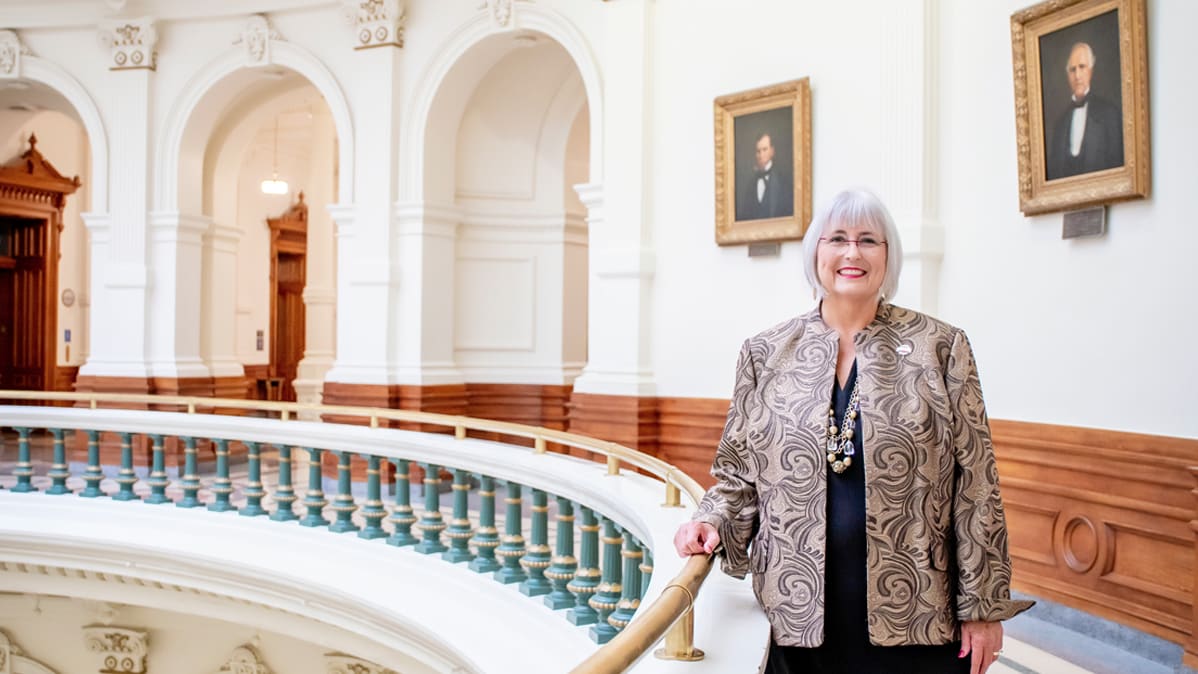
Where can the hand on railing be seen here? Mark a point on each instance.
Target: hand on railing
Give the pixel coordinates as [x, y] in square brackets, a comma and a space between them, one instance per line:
[696, 538]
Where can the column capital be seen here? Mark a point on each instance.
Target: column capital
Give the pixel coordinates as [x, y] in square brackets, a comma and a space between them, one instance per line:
[132, 43]
[376, 23]
[117, 649]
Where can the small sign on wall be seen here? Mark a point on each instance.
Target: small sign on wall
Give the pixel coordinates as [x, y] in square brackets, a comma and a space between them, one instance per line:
[261, 340]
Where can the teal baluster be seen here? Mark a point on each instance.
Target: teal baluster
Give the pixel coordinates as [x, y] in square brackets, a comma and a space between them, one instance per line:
[314, 499]
[222, 486]
[58, 472]
[372, 510]
[284, 493]
[646, 572]
[607, 597]
[343, 503]
[402, 518]
[486, 536]
[431, 524]
[126, 478]
[586, 578]
[157, 480]
[92, 475]
[511, 544]
[460, 530]
[254, 491]
[630, 594]
[191, 481]
[24, 470]
[561, 570]
[538, 553]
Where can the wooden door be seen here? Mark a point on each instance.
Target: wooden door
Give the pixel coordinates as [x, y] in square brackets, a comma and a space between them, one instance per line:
[24, 307]
[287, 332]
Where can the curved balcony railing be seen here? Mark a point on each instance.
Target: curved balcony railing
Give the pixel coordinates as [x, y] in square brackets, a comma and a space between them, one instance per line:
[597, 574]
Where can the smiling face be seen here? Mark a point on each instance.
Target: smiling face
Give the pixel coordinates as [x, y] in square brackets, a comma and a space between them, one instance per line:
[850, 271]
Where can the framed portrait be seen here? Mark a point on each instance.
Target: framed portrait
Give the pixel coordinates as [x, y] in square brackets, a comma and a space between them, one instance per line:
[763, 164]
[1081, 103]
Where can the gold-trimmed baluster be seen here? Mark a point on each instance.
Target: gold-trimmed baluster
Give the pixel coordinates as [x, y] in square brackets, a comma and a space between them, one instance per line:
[314, 499]
[158, 479]
[191, 480]
[92, 475]
[607, 597]
[222, 486]
[24, 469]
[343, 502]
[486, 537]
[285, 493]
[254, 491]
[431, 523]
[646, 572]
[59, 472]
[630, 590]
[538, 554]
[460, 530]
[402, 518]
[373, 512]
[586, 578]
[126, 478]
[511, 544]
[563, 565]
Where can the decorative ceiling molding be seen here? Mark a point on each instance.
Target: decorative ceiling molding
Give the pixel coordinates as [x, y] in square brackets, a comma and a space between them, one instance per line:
[256, 37]
[376, 23]
[339, 663]
[119, 650]
[244, 660]
[502, 12]
[11, 51]
[132, 43]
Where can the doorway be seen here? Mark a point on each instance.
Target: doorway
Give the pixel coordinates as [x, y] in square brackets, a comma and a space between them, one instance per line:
[26, 326]
[289, 260]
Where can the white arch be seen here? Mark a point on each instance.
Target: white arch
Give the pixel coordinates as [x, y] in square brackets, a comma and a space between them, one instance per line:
[531, 17]
[41, 70]
[169, 154]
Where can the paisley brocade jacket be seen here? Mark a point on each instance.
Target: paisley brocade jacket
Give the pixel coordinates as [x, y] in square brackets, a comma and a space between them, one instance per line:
[936, 538]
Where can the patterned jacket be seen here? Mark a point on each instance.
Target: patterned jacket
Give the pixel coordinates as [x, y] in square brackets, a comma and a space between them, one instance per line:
[936, 537]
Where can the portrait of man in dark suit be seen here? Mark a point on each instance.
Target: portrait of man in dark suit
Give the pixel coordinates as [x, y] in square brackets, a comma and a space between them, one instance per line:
[764, 158]
[1086, 130]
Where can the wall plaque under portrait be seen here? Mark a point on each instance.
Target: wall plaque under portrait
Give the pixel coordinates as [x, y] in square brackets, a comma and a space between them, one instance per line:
[1081, 103]
[763, 164]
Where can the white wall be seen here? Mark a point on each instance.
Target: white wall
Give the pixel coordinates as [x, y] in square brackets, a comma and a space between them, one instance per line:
[1094, 332]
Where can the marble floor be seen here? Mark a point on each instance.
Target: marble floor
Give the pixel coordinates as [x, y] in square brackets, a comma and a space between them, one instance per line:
[1032, 646]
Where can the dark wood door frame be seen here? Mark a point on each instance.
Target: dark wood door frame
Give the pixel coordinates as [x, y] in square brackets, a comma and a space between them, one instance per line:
[32, 189]
[289, 243]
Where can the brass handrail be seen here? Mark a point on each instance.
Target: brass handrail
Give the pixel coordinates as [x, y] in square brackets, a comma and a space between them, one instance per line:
[670, 614]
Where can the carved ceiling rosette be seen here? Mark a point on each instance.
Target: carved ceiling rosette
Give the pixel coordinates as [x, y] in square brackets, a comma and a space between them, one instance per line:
[132, 43]
[376, 23]
[11, 51]
[118, 650]
[255, 38]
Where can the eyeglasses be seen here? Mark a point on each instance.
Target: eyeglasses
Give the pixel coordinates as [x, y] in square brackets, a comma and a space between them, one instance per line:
[865, 243]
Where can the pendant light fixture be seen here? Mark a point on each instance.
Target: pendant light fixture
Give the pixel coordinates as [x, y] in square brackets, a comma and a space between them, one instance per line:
[274, 185]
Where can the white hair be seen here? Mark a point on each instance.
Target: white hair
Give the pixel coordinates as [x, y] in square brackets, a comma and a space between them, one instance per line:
[854, 207]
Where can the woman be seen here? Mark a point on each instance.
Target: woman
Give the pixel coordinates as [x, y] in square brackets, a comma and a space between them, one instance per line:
[856, 460]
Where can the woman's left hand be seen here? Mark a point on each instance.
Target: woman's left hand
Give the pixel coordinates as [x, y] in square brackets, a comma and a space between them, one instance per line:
[983, 642]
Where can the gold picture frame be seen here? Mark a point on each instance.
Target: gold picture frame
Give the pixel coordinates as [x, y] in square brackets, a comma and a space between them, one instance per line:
[1101, 153]
[763, 203]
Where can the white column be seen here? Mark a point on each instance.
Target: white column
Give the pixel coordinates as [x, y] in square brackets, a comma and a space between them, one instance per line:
[118, 324]
[621, 252]
[910, 179]
[176, 252]
[218, 315]
[366, 256]
[423, 307]
[320, 296]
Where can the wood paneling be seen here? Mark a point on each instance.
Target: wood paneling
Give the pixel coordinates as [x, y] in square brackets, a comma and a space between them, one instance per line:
[689, 431]
[1100, 520]
[288, 265]
[628, 420]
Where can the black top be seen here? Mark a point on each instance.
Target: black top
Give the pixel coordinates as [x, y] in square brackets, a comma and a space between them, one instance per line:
[846, 648]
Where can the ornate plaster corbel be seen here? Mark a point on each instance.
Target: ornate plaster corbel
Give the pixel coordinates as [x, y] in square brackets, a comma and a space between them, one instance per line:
[11, 51]
[376, 23]
[339, 663]
[256, 37]
[118, 650]
[502, 12]
[244, 660]
[132, 43]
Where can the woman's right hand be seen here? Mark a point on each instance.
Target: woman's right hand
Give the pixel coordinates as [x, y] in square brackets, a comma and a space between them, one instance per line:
[696, 538]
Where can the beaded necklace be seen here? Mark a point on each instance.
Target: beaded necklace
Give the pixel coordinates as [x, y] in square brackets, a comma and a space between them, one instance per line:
[840, 440]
